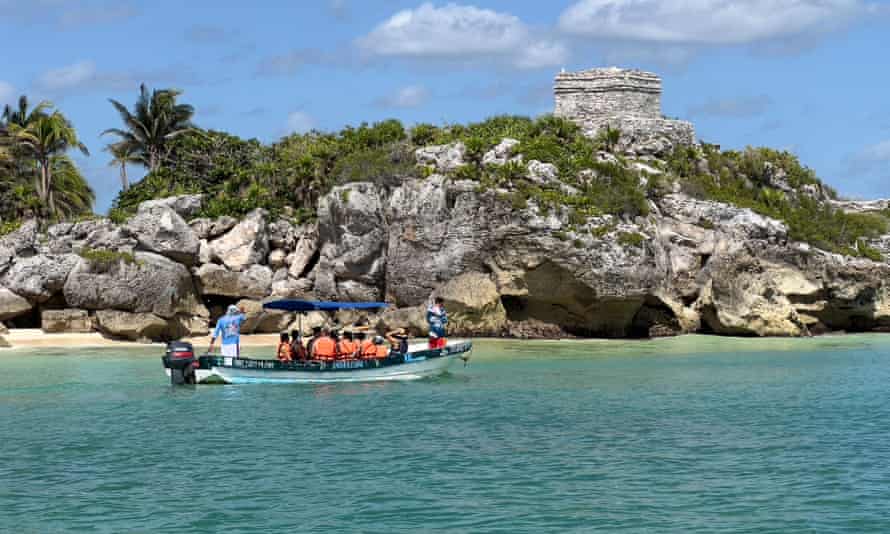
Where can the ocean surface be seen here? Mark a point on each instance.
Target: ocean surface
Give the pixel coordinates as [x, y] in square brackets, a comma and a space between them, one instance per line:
[694, 434]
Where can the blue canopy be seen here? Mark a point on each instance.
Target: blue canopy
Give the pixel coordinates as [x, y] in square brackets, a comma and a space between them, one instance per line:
[307, 305]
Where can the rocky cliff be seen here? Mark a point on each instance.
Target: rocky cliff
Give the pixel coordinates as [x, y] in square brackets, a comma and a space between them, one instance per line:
[504, 268]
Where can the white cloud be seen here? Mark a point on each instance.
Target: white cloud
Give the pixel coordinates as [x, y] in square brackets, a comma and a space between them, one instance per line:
[300, 122]
[68, 77]
[707, 21]
[460, 32]
[85, 76]
[542, 54]
[411, 96]
[7, 93]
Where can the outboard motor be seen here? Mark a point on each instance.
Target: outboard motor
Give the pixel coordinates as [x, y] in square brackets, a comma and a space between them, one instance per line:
[180, 359]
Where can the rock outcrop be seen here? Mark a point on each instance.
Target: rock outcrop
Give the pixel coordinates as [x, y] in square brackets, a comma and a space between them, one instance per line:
[148, 284]
[527, 269]
[12, 305]
[215, 280]
[131, 326]
[66, 321]
[244, 245]
[474, 305]
[162, 230]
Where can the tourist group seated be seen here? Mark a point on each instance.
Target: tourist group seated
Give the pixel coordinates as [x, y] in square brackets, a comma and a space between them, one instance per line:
[329, 344]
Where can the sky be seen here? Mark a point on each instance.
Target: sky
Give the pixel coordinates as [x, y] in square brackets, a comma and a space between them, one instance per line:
[808, 76]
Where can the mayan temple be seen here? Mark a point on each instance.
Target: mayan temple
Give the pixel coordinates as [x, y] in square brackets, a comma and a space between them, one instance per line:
[626, 99]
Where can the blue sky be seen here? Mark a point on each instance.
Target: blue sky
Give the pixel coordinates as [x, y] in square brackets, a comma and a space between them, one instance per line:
[810, 76]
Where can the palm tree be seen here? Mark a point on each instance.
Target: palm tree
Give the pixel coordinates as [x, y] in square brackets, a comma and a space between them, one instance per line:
[71, 192]
[156, 118]
[47, 136]
[21, 116]
[123, 153]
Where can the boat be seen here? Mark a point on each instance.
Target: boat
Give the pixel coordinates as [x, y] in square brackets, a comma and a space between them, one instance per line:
[184, 367]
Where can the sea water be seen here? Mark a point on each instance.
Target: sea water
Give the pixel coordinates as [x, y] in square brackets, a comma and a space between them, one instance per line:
[693, 434]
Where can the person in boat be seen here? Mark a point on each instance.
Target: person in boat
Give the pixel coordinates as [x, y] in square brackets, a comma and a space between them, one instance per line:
[228, 331]
[398, 341]
[298, 350]
[347, 347]
[285, 352]
[324, 348]
[316, 333]
[381, 349]
[437, 318]
[366, 348]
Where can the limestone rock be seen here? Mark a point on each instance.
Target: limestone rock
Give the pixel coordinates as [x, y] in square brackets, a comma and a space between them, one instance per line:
[277, 259]
[3, 343]
[183, 326]
[308, 321]
[244, 245]
[38, 278]
[22, 241]
[131, 326]
[12, 305]
[283, 234]
[352, 228]
[443, 158]
[745, 296]
[542, 173]
[412, 319]
[162, 230]
[150, 284]
[255, 283]
[3, 329]
[289, 288]
[502, 153]
[186, 206]
[305, 249]
[205, 253]
[71, 320]
[212, 228]
[474, 305]
[742, 222]
[260, 321]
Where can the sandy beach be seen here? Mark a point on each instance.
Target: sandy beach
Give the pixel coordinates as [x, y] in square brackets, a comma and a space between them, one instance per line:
[36, 338]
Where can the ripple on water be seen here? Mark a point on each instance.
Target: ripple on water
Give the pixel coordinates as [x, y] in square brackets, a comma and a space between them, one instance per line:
[691, 434]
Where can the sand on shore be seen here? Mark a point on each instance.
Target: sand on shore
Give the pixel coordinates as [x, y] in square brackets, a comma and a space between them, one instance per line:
[35, 338]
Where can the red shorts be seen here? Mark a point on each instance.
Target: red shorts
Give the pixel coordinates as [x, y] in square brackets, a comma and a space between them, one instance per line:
[438, 342]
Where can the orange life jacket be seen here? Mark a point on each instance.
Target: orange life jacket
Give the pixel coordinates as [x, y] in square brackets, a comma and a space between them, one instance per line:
[382, 351]
[346, 349]
[285, 352]
[369, 349]
[325, 348]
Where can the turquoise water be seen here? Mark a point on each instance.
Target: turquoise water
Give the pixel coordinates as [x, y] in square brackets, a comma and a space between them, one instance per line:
[680, 435]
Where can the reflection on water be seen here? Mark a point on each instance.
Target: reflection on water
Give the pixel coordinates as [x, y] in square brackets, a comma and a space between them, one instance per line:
[674, 435]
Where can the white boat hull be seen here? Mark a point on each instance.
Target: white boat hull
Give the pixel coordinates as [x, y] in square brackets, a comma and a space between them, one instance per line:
[412, 370]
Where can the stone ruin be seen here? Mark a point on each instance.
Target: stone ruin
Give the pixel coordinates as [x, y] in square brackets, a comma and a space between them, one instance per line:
[626, 99]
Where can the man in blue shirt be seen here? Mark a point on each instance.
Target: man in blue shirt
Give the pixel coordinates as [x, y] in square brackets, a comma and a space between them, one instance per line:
[228, 329]
[437, 318]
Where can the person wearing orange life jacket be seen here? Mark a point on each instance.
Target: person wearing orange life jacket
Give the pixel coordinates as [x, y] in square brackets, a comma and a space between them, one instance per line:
[381, 351]
[324, 348]
[347, 347]
[366, 348]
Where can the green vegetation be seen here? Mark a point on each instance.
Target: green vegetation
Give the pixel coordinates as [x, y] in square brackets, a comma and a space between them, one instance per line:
[743, 179]
[9, 227]
[104, 259]
[288, 176]
[156, 119]
[631, 239]
[37, 178]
